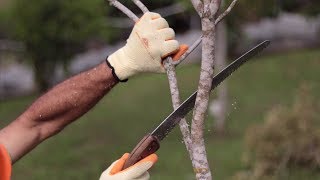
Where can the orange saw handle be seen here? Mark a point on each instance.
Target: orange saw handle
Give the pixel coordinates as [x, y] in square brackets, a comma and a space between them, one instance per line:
[176, 55]
[182, 49]
[148, 145]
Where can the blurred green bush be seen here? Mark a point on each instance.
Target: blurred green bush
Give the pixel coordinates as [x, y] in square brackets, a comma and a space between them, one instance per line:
[289, 138]
[53, 31]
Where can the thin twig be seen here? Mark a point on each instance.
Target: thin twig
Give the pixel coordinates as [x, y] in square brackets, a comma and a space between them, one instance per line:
[175, 95]
[124, 9]
[119, 22]
[143, 8]
[175, 98]
[226, 12]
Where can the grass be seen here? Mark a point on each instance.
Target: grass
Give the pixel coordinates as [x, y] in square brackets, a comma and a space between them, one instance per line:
[85, 148]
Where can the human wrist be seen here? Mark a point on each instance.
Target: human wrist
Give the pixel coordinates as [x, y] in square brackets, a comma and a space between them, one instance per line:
[118, 62]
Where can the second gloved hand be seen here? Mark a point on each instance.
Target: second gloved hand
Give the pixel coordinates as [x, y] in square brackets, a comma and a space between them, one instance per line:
[138, 171]
[150, 40]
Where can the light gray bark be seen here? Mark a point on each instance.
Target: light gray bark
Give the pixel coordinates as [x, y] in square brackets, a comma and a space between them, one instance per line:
[198, 6]
[143, 8]
[175, 98]
[202, 169]
[208, 23]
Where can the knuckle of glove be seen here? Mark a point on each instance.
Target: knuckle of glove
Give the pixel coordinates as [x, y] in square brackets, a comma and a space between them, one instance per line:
[167, 34]
[160, 23]
[171, 34]
[169, 47]
[151, 15]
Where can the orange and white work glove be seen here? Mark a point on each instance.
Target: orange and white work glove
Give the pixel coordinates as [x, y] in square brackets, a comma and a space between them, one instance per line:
[138, 171]
[150, 41]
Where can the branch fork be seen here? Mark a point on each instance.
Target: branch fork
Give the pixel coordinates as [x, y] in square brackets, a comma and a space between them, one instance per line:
[193, 139]
[169, 65]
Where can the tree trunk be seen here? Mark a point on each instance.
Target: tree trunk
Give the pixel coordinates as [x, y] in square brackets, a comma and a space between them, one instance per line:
[200, 160]
[44, 71]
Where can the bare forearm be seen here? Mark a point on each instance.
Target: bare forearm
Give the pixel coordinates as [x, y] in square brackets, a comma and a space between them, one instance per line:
[71, 99]
[57, 108]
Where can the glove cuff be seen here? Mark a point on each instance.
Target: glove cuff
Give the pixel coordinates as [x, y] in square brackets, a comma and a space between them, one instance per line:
[113, 71]
[118, 62]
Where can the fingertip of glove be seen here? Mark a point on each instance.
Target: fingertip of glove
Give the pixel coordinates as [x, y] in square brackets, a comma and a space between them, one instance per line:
[125, 156]
[119, 164]
[154, 15]
[170, 47]
[151, 15]
[151, 158]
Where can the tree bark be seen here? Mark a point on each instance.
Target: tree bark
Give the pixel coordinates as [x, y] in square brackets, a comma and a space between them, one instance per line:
[202, 169]
[44, 69]
[175, 98]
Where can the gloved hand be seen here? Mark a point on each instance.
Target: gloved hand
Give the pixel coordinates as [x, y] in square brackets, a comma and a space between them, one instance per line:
[150, 40]
[136, 172]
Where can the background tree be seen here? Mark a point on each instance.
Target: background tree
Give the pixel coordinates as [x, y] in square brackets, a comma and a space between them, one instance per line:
[55, 30]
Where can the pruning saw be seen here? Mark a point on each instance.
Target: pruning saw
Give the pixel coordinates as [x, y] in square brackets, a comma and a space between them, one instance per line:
[150, 143]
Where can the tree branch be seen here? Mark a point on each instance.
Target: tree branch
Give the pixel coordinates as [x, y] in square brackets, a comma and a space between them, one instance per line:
[173, 84]
[124, 9]
[175, 95]
[120, 22]
[200, 159]
[143, 8]
[214, 6]
[199, 154]
[172, 78]
[226, 12]
[198, 6]
[175, 98]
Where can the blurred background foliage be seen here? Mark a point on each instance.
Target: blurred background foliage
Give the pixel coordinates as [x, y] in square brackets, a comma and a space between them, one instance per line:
[250, 11]
[289, 137]
[283, 143]
[53, 31]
